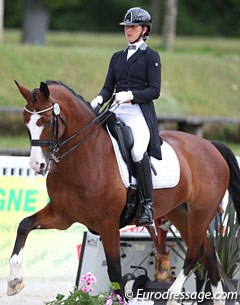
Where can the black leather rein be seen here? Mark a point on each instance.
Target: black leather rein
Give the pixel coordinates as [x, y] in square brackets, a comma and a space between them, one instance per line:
[54, 143]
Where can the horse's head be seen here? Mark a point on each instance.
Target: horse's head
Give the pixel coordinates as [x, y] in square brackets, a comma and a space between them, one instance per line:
[42, 117]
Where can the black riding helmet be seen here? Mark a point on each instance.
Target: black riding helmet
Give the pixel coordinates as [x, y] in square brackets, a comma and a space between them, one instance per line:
[138, 16]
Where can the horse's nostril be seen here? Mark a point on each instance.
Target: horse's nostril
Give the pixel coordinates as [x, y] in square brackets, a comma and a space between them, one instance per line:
[42, 165]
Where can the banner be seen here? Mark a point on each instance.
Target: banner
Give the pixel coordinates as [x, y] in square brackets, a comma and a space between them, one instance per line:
[46, 252]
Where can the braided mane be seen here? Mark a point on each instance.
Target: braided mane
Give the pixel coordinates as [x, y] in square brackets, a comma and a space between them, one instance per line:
[60, 83]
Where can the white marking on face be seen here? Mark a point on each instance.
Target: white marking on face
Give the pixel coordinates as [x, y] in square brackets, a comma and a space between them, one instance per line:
[15, 265]
[36, 156]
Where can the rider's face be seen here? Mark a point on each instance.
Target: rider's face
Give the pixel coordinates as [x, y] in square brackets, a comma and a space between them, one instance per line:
[132, 32]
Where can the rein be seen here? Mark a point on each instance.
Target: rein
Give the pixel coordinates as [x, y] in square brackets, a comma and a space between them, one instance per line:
[59, 158]
[54, 143]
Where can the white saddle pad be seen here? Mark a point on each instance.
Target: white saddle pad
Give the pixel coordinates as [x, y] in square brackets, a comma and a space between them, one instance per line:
[168, 169]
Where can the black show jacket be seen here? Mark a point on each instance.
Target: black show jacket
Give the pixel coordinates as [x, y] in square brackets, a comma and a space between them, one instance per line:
[141, 74]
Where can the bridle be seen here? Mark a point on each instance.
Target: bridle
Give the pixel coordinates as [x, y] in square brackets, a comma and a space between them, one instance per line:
[54, 143]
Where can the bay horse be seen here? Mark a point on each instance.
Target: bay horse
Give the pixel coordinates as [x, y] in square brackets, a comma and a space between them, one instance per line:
[84, 184]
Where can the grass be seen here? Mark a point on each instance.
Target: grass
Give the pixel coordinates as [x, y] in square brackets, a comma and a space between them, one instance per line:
[201, 76]
[15, 142]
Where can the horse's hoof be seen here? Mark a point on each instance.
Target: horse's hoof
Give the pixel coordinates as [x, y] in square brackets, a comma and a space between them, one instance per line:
[15, 286]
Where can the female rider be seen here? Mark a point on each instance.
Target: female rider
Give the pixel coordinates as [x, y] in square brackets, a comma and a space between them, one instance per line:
[134, 75]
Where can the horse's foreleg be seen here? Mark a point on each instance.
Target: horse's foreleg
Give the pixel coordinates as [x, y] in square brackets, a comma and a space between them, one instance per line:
[111, 244]
[44, 219]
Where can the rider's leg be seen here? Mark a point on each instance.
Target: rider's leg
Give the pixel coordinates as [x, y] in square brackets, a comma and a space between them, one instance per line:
[144, 178]
[132, 116]
[143, 170]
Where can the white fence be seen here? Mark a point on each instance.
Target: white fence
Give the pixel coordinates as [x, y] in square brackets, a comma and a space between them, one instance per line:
[19, 166]
[15, 166]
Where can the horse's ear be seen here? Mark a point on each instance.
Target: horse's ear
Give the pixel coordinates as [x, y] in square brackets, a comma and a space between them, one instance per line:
[25, 92]
[44, 90]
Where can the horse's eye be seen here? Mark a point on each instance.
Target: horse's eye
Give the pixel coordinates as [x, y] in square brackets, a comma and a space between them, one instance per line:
[47, 121]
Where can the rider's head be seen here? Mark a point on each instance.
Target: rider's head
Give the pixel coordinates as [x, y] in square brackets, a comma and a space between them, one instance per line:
[137, 16]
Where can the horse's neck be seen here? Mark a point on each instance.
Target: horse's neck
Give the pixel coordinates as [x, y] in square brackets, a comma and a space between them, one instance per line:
[87, 164]
[78, 117]
[95, 153]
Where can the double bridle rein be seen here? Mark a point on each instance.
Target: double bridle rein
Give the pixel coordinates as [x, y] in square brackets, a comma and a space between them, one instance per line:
[54, 143]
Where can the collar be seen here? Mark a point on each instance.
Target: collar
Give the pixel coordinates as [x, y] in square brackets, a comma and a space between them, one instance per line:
[139, 45]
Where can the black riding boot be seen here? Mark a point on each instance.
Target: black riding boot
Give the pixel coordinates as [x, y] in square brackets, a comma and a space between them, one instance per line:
[144, 178]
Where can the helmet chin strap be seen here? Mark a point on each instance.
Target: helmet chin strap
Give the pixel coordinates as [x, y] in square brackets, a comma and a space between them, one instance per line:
[139, 37]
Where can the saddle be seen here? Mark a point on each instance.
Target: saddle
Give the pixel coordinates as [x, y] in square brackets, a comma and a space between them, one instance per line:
[124, 137]
[166, 171]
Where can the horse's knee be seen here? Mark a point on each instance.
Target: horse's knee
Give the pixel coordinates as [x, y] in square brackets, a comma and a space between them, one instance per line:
[25, 226]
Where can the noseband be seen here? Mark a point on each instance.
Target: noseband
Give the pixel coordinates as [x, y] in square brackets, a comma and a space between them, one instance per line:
[53, 143]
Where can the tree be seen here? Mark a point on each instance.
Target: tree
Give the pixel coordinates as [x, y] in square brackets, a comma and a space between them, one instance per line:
[35, 22]
[1, 19]
[156, 10]
[194, 17]
[36, 18]
[169, 24]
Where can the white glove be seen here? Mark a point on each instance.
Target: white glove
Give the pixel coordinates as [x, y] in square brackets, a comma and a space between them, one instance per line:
[123, 97]
[97, 101]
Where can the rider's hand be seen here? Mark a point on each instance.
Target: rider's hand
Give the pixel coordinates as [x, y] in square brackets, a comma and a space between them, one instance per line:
[97, 101]
[123, 97]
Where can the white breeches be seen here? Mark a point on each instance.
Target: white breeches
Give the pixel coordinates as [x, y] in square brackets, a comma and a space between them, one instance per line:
[133, 117]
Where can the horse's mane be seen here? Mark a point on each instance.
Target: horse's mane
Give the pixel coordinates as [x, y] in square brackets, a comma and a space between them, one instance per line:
[60, 83]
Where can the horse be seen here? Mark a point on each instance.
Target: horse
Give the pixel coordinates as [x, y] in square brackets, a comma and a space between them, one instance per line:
[84, 184]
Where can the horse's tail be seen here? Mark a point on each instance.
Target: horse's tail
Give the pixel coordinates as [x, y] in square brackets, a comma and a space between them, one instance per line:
[234, 183]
